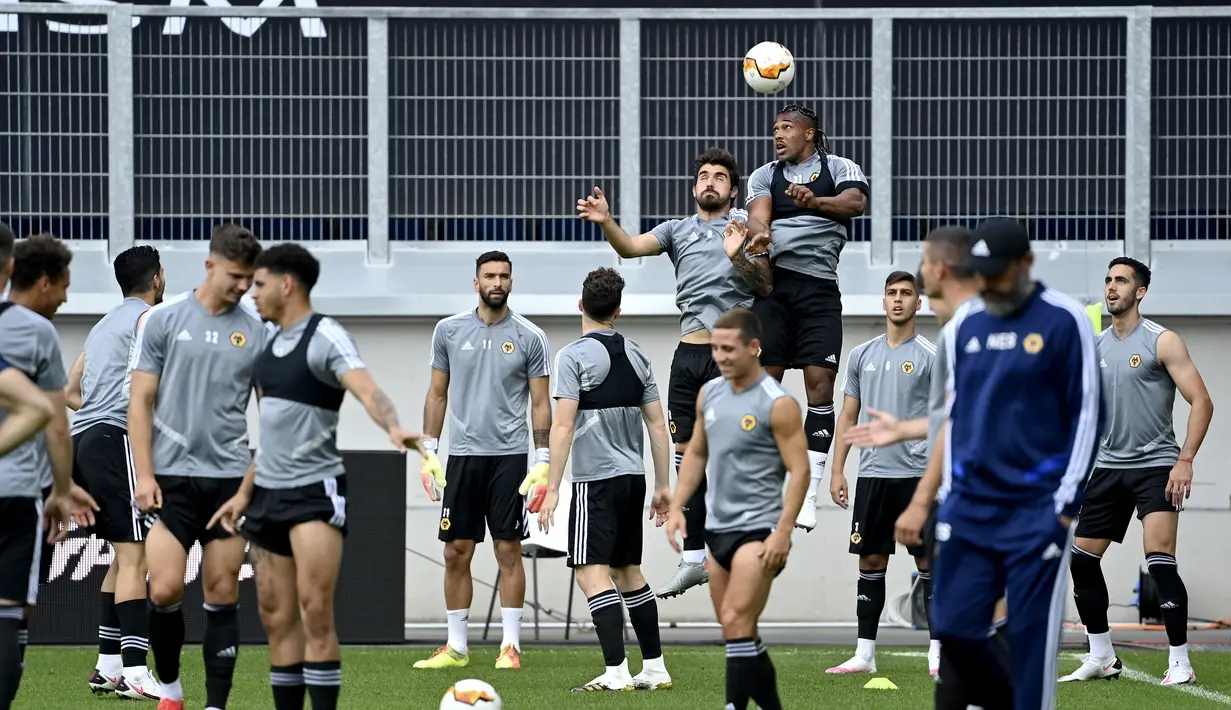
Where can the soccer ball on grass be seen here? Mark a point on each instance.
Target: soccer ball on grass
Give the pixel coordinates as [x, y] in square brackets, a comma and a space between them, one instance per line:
[471, 694]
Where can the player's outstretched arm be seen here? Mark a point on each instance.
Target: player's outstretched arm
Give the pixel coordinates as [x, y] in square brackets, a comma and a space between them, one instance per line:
[72, 393]
[380, 408]
[29, 410]
[787, 423]
[594, 208]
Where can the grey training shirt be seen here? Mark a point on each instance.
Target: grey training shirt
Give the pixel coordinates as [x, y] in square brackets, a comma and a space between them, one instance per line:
[29, 342]
[896, 380]
[105, 382]
[606, 442]
[706, 284]
[205, 365]
[808, 244]
[490, 368]
[299, 442]
[1139, 395]
[744, 470]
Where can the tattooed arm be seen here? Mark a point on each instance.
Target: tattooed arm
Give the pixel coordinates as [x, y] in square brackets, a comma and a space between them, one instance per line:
[754, 270]
[540, 412]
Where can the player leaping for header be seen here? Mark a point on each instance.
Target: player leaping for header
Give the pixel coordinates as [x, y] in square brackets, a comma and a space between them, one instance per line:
[713, 274]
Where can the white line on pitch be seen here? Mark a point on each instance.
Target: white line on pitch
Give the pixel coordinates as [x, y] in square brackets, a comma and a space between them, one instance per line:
[1194, 690]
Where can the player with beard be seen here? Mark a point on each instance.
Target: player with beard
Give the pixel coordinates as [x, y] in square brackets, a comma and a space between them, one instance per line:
[1140, 465]
[1025, 414]
[36, 478]
[888, 475]
[98, 388]
[713, 274]
[808, 197]
[489, 361]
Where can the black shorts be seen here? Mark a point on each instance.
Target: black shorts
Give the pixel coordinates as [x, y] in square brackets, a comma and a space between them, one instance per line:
[188, 502]
[877, 505]
[691, 367]
[724, 545]
[22, 547]
[102, 464]
[1113, 493]
[483, 489]
[273, 512]
[605, 522]
[801, 321]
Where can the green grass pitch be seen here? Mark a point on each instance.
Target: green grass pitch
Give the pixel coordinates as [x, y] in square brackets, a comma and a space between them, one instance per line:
[375, 677]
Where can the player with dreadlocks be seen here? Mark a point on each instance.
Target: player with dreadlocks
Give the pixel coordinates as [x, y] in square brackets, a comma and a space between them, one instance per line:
[808, 197]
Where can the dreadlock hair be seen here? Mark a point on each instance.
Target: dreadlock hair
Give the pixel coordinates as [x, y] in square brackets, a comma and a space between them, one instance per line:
[820, 141]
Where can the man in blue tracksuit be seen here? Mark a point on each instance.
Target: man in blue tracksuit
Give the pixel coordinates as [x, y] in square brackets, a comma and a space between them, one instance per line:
[1024, 424]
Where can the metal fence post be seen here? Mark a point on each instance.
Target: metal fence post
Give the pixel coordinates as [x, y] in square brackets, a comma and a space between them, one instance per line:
[378, 140]
[120, 121]
[882, 141]
[629, 206]
[1137, 134]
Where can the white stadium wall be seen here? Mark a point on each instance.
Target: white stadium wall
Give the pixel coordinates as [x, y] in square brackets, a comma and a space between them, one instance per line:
[819, 583]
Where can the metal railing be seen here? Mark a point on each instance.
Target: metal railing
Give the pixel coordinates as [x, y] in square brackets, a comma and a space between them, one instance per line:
[392, 124]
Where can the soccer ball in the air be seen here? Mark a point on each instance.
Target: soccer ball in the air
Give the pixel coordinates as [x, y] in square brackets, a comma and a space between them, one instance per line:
[471, 694]
[769, 68]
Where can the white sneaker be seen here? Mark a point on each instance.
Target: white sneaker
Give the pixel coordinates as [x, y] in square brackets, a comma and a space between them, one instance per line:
[857, 664]
[806, 520]
[101, 682]
[1179, 674]
[138, 684]
[652, 679]
[617, 679]
[1092, 668]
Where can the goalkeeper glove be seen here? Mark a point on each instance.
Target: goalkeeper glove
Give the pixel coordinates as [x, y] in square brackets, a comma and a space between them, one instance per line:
[431, 473]
[534, 485]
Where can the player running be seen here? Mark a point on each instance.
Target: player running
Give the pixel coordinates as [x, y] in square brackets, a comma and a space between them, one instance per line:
[890, 373]
[488, 361]
[713, 274]
[1024, 421]
[604, 392]
[36, 477]
[192, 364]
[292, 503]
[98, 387]
[749, 437]
[808, 197]
[1140, 465]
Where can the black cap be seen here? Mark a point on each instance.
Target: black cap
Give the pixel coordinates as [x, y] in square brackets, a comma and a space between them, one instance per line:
[997, 243]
